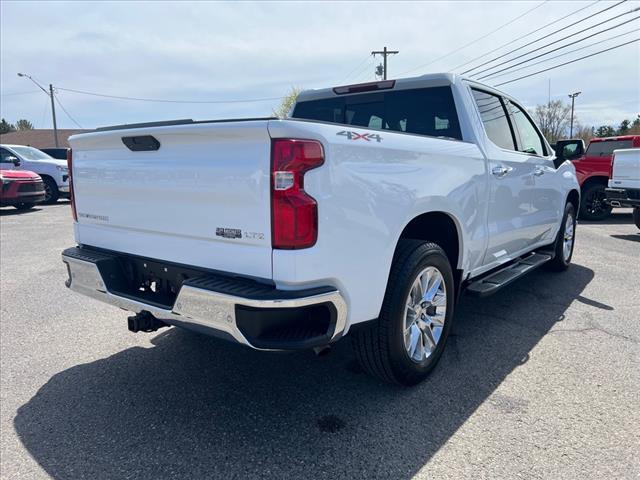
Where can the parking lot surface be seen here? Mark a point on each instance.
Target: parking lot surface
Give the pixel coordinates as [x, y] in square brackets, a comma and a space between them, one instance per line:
[541, 380]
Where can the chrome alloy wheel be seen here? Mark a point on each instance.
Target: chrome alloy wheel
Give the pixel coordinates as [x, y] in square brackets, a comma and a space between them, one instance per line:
[567, 243]
[425, 312]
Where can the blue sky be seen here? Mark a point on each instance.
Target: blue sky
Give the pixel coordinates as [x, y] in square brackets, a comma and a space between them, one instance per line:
[205, 51]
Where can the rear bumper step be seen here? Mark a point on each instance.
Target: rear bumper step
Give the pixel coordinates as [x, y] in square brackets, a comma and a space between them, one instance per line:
[495, 281]
[248, 312]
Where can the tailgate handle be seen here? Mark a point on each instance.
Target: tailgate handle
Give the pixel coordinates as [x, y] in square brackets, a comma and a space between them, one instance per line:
[141, 143]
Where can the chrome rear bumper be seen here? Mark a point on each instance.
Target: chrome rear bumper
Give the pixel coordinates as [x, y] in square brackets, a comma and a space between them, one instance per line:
[203, 309]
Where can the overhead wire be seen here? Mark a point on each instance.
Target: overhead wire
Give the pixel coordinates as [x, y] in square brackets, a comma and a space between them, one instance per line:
[553, 50]
[564, 38]
[569, 62]
[159, 100]
[558, 56]
[65, 110]
[551, 34]
[524, 36]
[475, 40]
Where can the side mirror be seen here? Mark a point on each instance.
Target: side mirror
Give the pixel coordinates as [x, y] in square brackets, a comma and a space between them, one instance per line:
[14, 160]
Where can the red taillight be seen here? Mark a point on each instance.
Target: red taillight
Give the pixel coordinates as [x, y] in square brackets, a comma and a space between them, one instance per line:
[294, 214]
[613, 157]
[73, 200]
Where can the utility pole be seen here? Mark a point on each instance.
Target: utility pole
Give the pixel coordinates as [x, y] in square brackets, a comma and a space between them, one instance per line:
[53, 110]
[385, 53]
[572, 96]
[53, 105]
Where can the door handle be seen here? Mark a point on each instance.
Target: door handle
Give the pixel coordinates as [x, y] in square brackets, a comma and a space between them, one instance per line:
[500, 170]
[538, 171]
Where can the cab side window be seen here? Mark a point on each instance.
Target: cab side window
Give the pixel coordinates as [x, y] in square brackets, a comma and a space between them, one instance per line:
[494, 118]
[4, 153]
[527, 135]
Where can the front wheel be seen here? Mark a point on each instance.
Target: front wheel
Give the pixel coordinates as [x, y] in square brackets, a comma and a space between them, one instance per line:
[593, 206]
[636, 216]
[51, 192]
[405, 343]
[25, 206]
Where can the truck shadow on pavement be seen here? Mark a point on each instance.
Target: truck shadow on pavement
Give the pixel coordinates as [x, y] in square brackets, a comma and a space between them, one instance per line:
[196, 407]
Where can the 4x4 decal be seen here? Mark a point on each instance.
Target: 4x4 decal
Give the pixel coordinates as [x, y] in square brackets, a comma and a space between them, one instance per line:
[351, 135]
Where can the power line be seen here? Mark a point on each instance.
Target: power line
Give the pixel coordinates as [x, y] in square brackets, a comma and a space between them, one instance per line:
[65, 111]
[476, 40]
[367, 65]
[18, 93]
[356, 68]
[548, 35]
[564, 38]
[560, 55]
[554, 50]
[567, 63]
[158, 100]
[525, 35]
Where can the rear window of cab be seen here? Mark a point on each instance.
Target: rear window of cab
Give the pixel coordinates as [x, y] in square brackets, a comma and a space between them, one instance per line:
[425, 111]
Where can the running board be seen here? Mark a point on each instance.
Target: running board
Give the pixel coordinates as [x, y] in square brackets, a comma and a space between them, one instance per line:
[492, 283]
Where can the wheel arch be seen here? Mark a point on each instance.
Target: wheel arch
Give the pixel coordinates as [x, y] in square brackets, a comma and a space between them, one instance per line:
[573, 197]
[442, 229]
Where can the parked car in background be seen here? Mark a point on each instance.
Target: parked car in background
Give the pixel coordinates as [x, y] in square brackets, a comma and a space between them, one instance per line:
[624, 184]
[593, 170]
[368, 212]
[21, 189]
[54, 172]
[59, 153]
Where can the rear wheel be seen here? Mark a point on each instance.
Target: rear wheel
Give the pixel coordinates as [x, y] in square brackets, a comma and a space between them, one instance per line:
[405, 343]
[636, 216]
[563, 246]
[51, 193]
[25, 206]
[593, 206]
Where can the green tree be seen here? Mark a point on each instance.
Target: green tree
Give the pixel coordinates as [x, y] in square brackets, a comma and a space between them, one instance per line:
[24, 124]
[287, 102]
[635, 127]
[6, 127]
[605, 131]
[623, 129]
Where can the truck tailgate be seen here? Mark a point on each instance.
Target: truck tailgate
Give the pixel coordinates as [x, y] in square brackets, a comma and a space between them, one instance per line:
[201, 199]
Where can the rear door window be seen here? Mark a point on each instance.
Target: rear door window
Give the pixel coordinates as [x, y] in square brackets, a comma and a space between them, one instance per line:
[527, 136]
[425, 111]
[494, 118]
[606, 147]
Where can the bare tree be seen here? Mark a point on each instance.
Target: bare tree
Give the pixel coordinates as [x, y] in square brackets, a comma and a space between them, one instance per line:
[553, 119]
[584, 132]
[287, 102]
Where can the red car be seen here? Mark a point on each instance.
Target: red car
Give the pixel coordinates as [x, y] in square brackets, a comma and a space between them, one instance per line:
[594, 169]
[21, 189]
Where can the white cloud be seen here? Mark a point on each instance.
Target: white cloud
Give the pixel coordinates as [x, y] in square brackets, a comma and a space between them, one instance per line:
[201, 51]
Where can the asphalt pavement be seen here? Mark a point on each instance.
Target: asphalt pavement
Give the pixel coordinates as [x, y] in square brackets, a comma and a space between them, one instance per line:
[541, 380]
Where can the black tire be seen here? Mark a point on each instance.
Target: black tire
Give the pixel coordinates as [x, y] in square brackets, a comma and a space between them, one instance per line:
[25, 206]
[379, 345]
[51, 191]
[636, 216]
[561, 261]
[592, 204]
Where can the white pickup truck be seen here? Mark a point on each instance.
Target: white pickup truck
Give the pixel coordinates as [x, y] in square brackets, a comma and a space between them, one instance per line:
[624, 184]
[367, 212]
